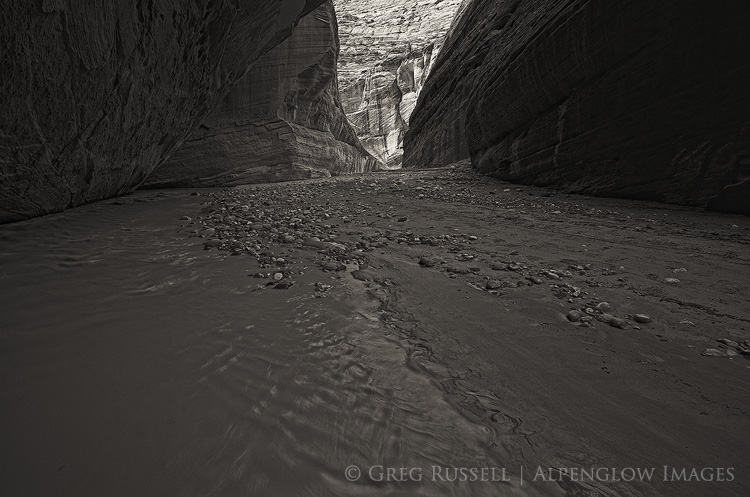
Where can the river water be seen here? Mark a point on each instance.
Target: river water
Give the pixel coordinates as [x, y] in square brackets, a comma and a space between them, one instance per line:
[134, 363]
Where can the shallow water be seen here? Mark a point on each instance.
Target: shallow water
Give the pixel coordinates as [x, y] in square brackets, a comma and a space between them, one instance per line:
[132, 362]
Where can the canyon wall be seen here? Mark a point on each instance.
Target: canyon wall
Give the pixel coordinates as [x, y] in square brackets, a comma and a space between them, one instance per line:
[282, 121]
[95, 95]
[387, 48]
[634, 99]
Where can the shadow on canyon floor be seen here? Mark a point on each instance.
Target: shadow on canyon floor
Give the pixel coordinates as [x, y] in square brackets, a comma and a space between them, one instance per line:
[417, 317]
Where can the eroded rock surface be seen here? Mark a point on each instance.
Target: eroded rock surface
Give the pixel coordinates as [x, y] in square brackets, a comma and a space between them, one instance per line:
[633, 99]
[283, 121]
[95, 95]
[387, 49]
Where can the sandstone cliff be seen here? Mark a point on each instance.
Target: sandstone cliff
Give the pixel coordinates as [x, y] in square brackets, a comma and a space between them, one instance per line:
[387, 48]
[282, 121]
[96, 94]
[635, 99]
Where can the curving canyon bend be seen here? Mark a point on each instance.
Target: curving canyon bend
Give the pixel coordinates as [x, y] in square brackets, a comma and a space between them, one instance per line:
[374, 248]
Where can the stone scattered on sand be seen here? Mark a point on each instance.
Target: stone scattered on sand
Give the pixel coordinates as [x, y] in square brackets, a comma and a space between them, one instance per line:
[714, 353]
[536, 280]
[331, 266]
[574, 316]
[671, 281]
[493, 284]
[427, 262]
[642, 318]
[603, 307]
[611, 320]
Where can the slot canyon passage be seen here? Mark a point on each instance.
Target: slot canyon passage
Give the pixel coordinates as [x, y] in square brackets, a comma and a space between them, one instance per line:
[350, 248]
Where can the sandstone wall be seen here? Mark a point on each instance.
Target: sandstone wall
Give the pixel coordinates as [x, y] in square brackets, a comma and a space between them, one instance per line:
[96, 94]
[635, 99]
[387, 48]
[282, 121]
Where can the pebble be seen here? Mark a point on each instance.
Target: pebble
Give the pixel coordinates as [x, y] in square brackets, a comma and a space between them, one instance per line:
[427, 262]
[574, 316]
[603, 307]
[493, 284]
[278, 276]
[186, 218]
[642, 318]
[671, 281]
[283, 285]
[713, 353]
[333, 266]
[536, 280]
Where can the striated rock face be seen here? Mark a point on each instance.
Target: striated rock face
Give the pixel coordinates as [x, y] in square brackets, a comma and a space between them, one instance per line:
[96, 94]
[282, 121]
[387, 48]
[635, 99]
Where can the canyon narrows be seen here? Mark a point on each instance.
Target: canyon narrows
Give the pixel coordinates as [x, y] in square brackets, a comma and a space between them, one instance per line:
[388, 48]
[466, 248]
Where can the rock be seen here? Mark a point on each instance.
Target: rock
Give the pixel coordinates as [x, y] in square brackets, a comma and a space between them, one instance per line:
[95, 97]
[278, 276]
[574, 316]
[728, 342]
[604, 318]
[332, 266]
[283, 121]
[387, 50]
[427, 262]
[283, 285]
[603, 307]
[493, 284]
[713, 353]
[618, 323]
[594, 98]
[537, 280]
[671, 281]
[186, 218]
[642, 318]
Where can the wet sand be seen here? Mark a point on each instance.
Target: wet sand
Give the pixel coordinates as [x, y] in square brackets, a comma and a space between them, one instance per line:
[445, 293]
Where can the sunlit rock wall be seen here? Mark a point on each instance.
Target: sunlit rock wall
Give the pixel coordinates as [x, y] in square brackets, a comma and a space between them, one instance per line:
[387, 48]
[282, 121]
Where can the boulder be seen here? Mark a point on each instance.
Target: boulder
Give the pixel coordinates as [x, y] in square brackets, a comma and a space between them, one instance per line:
[282, 121]
[95, 95]
[634, 99]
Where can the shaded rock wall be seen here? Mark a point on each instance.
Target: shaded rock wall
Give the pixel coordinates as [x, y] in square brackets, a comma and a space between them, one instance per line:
[95, 95]
[634, 99]
[387, 48]
[282, 121]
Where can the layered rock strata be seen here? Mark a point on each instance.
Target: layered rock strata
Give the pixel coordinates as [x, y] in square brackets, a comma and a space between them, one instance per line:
[633, 99]
[387, 49]
[95, 95]
[283, 121]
